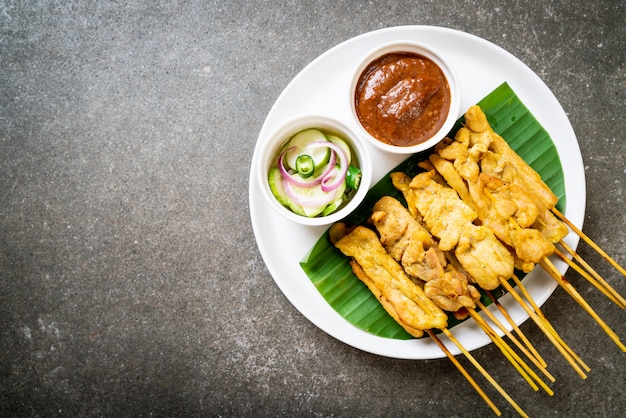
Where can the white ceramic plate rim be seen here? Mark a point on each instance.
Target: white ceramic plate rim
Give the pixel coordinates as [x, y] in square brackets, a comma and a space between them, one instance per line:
[325, 83]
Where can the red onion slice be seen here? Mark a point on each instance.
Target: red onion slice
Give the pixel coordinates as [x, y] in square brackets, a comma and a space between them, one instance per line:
[333, 179]
[317, 201]
[330, 178]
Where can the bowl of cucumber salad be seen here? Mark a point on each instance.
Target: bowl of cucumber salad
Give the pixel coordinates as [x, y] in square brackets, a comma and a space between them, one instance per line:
[314, 170]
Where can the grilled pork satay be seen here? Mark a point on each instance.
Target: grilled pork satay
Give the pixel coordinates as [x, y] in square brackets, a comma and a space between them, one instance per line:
[409, 243]
[524, 175]
[404, 300]
[505, 209]
[448, 218]
[513, 169]
[507, 195]
[439, 207]
[479, 252]
[406, 240]
[486, 172]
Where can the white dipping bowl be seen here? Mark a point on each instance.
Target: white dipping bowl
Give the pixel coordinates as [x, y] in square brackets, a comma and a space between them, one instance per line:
[448, 72]
[269, 153]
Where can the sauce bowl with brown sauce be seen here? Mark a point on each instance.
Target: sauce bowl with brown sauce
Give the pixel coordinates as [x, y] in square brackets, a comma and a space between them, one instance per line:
[405, 97]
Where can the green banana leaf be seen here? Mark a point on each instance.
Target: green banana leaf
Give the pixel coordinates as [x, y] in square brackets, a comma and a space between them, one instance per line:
[329, 270]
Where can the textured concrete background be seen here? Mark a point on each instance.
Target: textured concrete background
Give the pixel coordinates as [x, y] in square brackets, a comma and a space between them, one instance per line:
[130, 279]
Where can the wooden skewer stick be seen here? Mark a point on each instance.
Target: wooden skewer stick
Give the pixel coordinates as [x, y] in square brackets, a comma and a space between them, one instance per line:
[599, 281]
[589, 241]
[503, 345]
[550, 333]
[592, 280]
[517, 343]
[518, 331]
[567, 286]
[464, 372]
[484, 372]
[504, 349]
[540, 314]
[525, 371]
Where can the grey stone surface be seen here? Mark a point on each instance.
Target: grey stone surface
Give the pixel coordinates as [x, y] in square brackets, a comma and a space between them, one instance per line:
[130, 279]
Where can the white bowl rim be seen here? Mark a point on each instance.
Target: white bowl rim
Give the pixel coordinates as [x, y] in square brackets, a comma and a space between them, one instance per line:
[448, 71]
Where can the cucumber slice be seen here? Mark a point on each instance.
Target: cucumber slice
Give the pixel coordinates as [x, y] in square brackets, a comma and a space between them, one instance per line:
[300, 141]
[340, 197]
[309, 193]
[297, 209]
[316, 193]
[312, 194]
[312, 212]
[343, 145]
[333, 206]
[275, 180]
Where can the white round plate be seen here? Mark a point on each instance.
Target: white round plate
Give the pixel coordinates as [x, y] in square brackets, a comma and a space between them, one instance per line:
[323, 88]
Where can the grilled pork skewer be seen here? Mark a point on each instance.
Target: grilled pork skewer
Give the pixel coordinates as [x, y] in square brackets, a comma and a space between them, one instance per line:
[404, 300]
[489, 153]
[449, 219]
[409, 243]
[510, 198]
[488, 262]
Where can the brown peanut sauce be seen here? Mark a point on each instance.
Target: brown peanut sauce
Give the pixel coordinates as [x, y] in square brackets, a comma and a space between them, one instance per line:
[402, 99]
